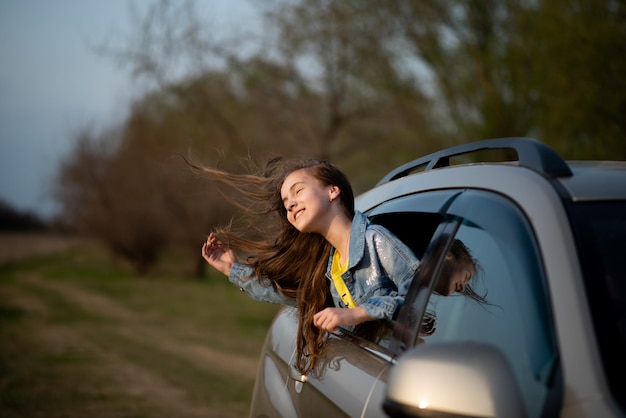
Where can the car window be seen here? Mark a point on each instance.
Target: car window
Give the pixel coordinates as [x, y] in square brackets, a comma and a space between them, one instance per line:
[415, 229]
[505, 303]
[600, 229]
[413, 219]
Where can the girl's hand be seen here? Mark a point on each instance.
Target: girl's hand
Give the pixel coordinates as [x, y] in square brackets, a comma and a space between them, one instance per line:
[219, 256]
[330, 318]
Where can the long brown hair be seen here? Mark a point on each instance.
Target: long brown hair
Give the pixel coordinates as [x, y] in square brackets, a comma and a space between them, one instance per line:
[292, 262]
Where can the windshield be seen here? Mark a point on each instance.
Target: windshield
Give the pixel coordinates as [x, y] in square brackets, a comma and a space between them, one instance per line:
[600, 229]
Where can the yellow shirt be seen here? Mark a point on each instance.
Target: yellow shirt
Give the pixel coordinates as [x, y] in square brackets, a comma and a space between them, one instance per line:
[336, 270]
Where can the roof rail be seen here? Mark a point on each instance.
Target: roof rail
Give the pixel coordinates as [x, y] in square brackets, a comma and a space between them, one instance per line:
[531, 153]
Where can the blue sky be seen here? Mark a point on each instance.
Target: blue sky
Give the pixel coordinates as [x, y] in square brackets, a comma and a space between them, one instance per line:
[52, 83]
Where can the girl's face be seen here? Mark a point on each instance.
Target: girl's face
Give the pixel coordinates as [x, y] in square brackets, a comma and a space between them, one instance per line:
[454, 279]
[307, 201]
[458, 281]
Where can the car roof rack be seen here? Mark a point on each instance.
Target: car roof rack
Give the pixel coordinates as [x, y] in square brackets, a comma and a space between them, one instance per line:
[531, 153]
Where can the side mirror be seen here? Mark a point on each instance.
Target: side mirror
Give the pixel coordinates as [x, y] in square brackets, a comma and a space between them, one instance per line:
[453, 379]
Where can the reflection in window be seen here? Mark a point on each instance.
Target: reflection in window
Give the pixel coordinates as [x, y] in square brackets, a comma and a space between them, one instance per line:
[505, 307]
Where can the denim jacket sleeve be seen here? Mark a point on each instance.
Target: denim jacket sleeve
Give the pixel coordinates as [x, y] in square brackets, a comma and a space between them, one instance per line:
[242, 276]
[392, 268]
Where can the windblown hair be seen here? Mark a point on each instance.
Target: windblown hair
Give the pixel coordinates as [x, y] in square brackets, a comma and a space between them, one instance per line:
[293, 263]
[462, 259]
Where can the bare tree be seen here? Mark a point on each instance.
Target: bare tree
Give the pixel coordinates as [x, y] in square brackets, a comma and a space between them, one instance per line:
[98, 200]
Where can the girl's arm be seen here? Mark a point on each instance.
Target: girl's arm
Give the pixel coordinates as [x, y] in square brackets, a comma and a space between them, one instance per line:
[242, 276]
[223, 259]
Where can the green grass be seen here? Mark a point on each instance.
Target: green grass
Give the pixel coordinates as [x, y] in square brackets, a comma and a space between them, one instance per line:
[80, 335]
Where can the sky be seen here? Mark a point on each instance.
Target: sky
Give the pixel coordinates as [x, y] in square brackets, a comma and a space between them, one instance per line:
[53, 83]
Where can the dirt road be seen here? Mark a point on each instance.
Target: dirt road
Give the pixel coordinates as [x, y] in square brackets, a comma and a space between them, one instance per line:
[89, 367]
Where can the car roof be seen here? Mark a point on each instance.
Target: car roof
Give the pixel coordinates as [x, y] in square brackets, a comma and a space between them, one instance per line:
[596, 180]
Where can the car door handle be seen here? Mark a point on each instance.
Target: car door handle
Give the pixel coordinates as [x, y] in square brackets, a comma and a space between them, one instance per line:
[296, 375]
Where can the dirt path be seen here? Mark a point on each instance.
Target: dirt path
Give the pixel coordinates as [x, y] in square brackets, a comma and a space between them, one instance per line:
[137, 327]
[110, 375]
[121, 375]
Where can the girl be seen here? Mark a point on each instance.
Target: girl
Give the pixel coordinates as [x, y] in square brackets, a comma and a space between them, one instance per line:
[315, 251]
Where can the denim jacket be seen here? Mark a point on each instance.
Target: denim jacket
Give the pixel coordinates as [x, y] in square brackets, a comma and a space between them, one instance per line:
[379, 273]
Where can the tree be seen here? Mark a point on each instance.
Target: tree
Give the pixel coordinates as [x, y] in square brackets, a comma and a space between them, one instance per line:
[99, 198]
[12, 219]
[577, 74]
[550, 69]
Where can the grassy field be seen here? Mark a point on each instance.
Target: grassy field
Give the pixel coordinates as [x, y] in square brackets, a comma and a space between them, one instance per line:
[83, 337]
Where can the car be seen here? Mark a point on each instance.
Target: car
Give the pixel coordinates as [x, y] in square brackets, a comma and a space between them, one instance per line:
[548, 340]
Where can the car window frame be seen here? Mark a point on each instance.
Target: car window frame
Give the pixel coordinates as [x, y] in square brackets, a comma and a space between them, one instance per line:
[416, 302]
[408, 325]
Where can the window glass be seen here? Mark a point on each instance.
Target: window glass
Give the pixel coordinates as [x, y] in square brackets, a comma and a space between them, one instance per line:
[504, 303]
[601, 238]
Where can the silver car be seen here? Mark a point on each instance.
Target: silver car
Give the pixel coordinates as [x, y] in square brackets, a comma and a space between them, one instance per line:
[550, 337]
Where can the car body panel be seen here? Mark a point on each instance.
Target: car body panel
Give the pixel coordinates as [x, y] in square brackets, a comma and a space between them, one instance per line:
[271, 396]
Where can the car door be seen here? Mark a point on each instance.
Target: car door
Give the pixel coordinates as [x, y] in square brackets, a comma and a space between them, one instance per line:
[506, 313]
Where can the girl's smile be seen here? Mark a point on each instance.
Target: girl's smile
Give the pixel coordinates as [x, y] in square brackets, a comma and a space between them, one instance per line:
[297, 214]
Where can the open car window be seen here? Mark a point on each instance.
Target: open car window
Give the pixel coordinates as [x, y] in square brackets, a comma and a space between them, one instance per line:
[504, 303]
[414, 220]
[414, 229]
